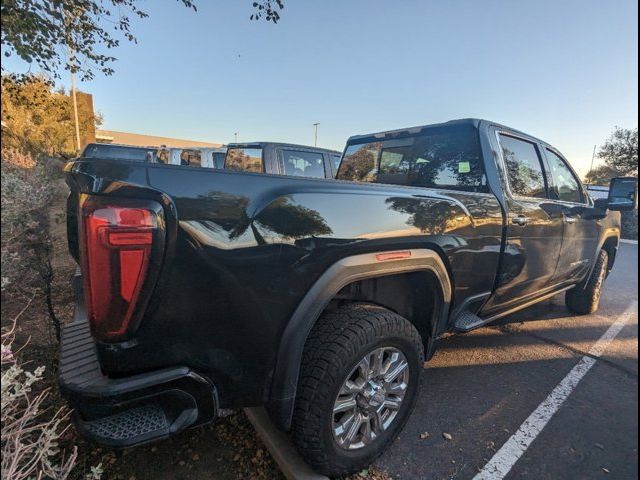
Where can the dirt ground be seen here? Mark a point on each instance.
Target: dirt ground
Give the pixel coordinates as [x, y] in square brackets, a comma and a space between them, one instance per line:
[224, 450]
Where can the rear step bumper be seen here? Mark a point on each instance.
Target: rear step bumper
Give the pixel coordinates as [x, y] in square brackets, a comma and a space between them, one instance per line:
[132, 410]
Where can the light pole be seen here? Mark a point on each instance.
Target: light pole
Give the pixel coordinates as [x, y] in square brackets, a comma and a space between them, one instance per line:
[315, 136]
[235, 137]
[73, 94]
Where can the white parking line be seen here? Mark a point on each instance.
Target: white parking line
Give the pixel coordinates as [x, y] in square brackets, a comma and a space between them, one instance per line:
[505, 458]
[630, 242]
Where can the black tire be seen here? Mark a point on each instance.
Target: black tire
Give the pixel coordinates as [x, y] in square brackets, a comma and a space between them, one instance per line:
[584, 299]
[334, 348]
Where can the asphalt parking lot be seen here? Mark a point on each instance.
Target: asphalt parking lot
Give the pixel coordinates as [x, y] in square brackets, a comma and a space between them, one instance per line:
[481, 387]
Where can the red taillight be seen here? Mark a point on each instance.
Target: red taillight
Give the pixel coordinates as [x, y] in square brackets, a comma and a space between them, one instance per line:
[117, 246]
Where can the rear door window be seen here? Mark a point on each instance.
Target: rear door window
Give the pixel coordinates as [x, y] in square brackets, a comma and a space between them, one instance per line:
[303, 164]
[360, 162]
[244, 160]
[524, 167]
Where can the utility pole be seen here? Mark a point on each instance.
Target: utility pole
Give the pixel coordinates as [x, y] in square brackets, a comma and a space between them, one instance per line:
[71, 67]
[593, 158]
[315, 141]
[75, 109]
[235, 137]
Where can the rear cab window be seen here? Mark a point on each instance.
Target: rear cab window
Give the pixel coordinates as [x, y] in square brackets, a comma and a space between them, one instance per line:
[303, 164]
[118, 152]
[244, 159]
[438, 157]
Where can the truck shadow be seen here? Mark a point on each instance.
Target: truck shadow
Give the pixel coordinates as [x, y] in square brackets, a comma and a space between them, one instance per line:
[480, 386]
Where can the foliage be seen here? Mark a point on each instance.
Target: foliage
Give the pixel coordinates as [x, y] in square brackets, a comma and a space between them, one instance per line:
[25, 193]
[289, 220]
[39, 120]
[79, 33]
[268, 10]
[429, 216]
[602, 175]
[282, 217]
[30, 433]
[29, 439]
[360, 165]
[40, 30]
[620, 151]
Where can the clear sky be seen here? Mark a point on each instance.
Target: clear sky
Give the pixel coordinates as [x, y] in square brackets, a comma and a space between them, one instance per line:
[565, 71]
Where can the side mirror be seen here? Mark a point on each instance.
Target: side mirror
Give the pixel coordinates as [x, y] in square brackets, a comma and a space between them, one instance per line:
[601, 203]
[623, 194]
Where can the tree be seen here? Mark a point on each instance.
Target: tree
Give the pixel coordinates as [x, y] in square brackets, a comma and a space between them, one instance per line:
[38, 119]
[78, 33]
[620, 151]
[602, 175]
[268, 10]
[283, 218]
[433, 217]
[360, 165]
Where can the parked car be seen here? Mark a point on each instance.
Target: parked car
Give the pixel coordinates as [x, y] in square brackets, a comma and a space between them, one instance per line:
[283, 159]
[119, 152]
[598, 191]
[193, 157]
[317, 298]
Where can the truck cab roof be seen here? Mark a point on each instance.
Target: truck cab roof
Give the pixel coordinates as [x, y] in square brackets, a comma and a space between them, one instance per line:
[282, 145]
[401, 132]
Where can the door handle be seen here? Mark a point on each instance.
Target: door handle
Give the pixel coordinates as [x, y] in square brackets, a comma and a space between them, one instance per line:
[570, 219]
[520, 220]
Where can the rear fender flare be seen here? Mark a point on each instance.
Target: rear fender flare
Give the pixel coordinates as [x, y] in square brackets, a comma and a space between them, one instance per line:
[340, 274]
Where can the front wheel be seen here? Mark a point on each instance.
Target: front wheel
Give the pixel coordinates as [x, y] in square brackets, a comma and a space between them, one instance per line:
[584, 299]
[359, 381]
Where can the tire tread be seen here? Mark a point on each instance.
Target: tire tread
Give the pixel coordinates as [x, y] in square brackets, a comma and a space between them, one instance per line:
[584, 299]
[332, 344]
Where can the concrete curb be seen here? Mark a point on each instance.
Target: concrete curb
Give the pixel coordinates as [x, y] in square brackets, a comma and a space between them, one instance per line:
[279, 444]
[629, 242]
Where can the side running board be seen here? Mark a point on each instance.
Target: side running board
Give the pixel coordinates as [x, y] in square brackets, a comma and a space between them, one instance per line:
[467, 321]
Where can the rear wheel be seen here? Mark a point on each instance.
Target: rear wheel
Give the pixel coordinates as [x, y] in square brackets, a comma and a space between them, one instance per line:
[358, 384]
[585, 298]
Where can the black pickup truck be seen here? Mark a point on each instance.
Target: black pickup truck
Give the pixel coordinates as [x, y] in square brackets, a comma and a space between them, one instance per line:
[200, 290]
[282, 159]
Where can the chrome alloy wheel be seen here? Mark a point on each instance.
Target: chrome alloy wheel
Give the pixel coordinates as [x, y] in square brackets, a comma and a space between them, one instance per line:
[370, 398]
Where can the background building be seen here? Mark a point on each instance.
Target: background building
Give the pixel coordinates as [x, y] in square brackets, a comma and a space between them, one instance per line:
[90, 134]
[127, 138]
